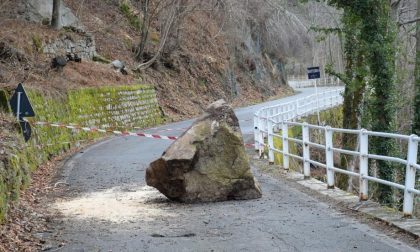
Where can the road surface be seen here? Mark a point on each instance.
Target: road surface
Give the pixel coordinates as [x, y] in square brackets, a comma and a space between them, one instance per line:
[108, 207]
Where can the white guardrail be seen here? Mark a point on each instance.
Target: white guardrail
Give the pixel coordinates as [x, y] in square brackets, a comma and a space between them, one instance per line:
[270, 120]
[301, 82]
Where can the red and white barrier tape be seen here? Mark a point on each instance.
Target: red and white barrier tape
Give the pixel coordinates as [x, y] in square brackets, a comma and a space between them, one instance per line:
[178, 129]
[164, 130]
[249, 145]
[116, 132]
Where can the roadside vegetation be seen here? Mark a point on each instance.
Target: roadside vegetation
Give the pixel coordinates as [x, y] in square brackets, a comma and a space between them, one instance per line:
[380, 42]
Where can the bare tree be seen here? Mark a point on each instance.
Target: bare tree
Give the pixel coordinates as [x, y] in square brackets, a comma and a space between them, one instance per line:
[144, 29]
[55, 19]
[165, 33]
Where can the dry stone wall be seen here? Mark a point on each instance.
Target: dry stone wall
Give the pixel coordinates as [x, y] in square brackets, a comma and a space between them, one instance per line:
[84, 46]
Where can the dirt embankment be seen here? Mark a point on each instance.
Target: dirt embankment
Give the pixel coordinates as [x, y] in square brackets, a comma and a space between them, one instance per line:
[205, 64]
[24, 217]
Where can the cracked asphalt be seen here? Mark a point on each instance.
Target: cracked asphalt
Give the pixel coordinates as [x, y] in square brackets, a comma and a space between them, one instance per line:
[108, 207]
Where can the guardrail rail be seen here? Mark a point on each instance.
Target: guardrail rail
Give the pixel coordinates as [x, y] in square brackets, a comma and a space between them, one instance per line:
[301, 82]
[270, 120]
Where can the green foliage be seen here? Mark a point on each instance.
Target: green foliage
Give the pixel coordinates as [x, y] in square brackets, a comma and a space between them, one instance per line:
[370, 54]
[379, 36]
[37, 43]
[128, 43]
[325, 32]
[202, 81]
[332, 117]
[294, 132]
[14, 163]
[133, 19]
[101, 59]
[4, 103]
[46, 21]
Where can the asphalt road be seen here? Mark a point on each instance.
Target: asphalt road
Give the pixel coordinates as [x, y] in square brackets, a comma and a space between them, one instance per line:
[108, 207]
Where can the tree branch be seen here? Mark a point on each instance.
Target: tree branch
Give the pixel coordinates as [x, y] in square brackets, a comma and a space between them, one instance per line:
[169, 23]
[409, 21]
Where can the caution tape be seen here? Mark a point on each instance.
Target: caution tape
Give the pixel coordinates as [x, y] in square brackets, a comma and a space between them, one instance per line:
[164, 130]
[115, 132]
[249, 145]
[158, 129]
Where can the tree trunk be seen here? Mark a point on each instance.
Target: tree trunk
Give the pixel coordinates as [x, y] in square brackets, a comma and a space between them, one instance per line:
[353, 95]
[416, 119]
[163, 38]
[144, 31]
[55, 19]
[379, 34]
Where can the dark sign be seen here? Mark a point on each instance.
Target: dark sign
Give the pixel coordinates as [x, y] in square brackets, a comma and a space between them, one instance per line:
[314, 73]
[26, 130]
[20, 103]
[21, 107]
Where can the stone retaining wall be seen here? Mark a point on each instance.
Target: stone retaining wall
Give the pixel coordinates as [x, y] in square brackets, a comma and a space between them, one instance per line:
[120, 108]
[84, 46]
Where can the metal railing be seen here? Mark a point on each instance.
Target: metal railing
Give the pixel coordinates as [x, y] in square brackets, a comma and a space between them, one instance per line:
[270, 120]
[302, 82]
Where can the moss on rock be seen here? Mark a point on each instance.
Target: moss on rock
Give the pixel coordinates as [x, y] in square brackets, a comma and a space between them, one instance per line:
[4, 104]
[207, 163]
[14, 169]
[332, 117]
[122, 108]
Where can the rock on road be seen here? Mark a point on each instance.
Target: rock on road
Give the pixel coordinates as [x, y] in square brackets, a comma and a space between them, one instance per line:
[108, 207]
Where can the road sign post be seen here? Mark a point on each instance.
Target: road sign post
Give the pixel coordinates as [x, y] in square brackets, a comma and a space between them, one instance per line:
[314, 73]
[18, 106]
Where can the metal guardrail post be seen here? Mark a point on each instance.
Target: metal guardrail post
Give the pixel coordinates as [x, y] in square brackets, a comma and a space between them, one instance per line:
[317, 101]
[267, 116]
[364, 162]
[306, 152]
[256, 130]
[285, 135]
[331, 101]
[260, 134]
[270, 141]
[329, 156]
[410, 176]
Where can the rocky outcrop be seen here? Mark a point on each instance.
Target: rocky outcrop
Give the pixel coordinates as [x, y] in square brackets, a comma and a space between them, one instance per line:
[74, 39]
[41, 11]
[207, 163]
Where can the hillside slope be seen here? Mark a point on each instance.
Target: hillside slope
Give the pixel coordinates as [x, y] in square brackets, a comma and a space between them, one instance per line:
[237, 51]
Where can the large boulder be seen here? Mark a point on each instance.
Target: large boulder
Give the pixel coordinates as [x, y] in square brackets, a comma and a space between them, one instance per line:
[207, 163]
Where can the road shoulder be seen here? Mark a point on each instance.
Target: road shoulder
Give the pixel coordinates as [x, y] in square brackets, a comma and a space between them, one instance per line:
[385, 219]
